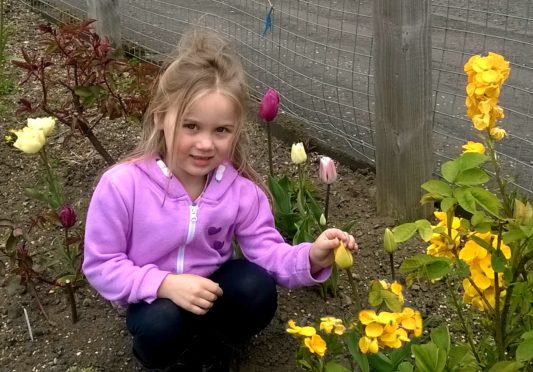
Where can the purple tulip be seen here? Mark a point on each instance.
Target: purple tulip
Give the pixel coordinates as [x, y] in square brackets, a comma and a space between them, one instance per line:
[268, 109]
[67, 216]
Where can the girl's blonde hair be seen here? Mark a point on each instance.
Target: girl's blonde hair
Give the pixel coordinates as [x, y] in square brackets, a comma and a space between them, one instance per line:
[203, 62]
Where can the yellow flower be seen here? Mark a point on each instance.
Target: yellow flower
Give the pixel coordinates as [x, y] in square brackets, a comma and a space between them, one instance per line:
[367, 316]
[472, 251]
[374, 329]
[298, 155]
[396, 288]
[474, 147]
[497, 133]
[29, 141]
[330, 324]
[343, 257]
[300, 331]
[46, 124]
[367, 345]
[316, 345]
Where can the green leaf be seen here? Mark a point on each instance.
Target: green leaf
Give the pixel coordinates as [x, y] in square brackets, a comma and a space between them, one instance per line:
[486, 200]
[405, 367]
[380, 362]
[441, 337]
[507, 366]
[527, 335]
[84, 92]
[399, 355]
[360, 358]
[437, 187]
[498, 261]
[424, 229]
[447, 203]
[465, 199]
[280, 195]
[461, 359]
[524, 351]
[471, 177]
[391, 301]
[470, 160]
[335, 367]
[449, 170]
[481, 242]
[426, 267]
[404, 232]
[428, 357]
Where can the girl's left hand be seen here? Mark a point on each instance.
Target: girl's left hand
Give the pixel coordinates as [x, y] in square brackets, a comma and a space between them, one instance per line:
[321, 253]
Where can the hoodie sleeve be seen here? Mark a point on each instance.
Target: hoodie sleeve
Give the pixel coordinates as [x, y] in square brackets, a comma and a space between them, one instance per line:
[262, 244]
[106, 263]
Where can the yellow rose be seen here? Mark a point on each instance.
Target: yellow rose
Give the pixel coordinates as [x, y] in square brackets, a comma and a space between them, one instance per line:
[298, 155]
[47, 124]
[29, 141]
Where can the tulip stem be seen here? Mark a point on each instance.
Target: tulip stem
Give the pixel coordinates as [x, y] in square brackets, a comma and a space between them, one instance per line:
[269, 137]
[326, 207]
[355, 291]
[391, 259]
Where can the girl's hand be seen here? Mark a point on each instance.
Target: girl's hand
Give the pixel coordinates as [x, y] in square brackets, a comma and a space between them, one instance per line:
[193, 293]
[321, 253]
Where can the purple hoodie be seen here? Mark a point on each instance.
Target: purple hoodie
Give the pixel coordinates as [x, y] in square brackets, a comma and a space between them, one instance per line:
[142, 225]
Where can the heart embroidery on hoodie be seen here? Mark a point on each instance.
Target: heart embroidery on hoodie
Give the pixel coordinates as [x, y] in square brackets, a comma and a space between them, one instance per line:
[218, 245]
[212, 230]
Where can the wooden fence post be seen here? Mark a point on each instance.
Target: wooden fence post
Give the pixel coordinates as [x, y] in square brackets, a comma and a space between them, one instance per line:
[402, 85]
[106, 13]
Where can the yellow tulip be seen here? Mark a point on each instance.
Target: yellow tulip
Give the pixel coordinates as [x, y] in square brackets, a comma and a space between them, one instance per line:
[343, 257]
[29, 141]
[298, 155]
[46, 124]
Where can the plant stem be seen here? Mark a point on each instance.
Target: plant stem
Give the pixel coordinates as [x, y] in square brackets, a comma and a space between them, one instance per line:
[51, 179]
[355, 291]
[391, 259]
[269, 138]
[326, 207]
[497, 173]
[72, 300]
[499, 337]
[468, 334]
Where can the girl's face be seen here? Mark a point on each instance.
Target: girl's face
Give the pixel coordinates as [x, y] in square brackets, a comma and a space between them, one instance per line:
[204, 139]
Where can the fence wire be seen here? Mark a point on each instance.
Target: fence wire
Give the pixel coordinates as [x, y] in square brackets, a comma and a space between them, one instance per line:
[318, 55]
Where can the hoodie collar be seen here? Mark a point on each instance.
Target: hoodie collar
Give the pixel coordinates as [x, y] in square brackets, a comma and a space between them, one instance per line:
[221, 178]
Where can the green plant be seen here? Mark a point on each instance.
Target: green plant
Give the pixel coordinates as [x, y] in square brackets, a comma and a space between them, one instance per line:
[81, 83]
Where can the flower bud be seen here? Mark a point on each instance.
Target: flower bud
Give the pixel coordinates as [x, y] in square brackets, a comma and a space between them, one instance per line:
[327, 171]
[298, 155]
[523, 213]
[29, 141]
[389, 243]
[322, 220]
[67, 216]
[343, 257]
[268, 109]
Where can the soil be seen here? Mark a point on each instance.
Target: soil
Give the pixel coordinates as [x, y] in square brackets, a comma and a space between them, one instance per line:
[99, 341]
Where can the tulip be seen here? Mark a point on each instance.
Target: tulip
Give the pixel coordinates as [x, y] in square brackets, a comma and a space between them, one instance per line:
[298, 155]
[327, 171]
[29, 141]
[322, 220]
[523, 212]
[388, 241]
[67, 216]
[343, 257]
[46, 124]
[268, 109]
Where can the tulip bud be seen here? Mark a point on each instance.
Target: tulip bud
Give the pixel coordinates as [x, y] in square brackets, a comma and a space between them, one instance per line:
[327, 171]
[298, 155]
[322, 220]
[523, 213]
[67, 216]
[389, 243]
[343, 257]
[268, 109]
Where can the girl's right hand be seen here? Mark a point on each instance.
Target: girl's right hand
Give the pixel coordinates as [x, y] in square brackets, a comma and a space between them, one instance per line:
[191, 292]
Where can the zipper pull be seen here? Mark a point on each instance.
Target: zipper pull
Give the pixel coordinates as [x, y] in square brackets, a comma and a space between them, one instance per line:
[194, 216]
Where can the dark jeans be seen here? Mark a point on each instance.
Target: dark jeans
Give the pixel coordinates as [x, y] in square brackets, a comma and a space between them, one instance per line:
[162, 331]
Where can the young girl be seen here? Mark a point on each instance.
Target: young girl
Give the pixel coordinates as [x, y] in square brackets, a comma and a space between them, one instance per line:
[160, 224]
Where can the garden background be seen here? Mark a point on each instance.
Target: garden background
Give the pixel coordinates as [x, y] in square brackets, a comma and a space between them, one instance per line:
[99, 341]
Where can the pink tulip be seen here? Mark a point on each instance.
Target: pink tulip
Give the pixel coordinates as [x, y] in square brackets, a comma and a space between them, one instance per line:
[67, 216]
[327, 171]
[268, 109]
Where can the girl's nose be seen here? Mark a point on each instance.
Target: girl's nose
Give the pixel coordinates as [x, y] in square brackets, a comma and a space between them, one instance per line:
[205, 142]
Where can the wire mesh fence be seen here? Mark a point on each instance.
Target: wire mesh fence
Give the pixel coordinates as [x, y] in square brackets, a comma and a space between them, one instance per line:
[318, 55]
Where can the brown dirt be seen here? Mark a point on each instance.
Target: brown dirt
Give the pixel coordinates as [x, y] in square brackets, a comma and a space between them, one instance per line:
[99, 340]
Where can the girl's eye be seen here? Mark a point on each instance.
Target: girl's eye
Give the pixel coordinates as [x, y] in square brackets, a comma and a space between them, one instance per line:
[190, 126]
[222, 130]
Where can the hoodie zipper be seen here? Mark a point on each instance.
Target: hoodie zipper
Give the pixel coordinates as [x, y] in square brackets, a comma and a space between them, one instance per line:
[193, 217]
